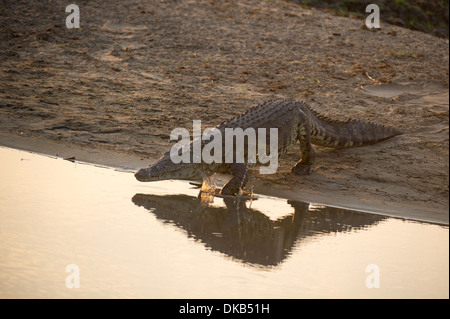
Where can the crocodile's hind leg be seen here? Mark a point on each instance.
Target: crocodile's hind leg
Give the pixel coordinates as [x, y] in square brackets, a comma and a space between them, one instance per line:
[240, 178]
[306, 164]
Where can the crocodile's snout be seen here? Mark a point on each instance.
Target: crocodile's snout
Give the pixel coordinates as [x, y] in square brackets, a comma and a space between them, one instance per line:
[141, 175]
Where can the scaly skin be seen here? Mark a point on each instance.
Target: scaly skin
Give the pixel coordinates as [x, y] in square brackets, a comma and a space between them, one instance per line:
[295, 121]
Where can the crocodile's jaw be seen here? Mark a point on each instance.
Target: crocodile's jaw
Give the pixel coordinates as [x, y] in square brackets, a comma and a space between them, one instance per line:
[144, 175]
[164, 169]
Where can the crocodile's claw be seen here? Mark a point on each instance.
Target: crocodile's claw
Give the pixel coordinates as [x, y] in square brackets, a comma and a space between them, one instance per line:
[302, 169]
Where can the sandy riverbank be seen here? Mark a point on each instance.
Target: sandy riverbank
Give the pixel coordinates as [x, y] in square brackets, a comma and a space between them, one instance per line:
[112, 91]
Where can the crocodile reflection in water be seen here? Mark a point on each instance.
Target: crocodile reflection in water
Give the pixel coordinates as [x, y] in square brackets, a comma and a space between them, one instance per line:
[247, 234]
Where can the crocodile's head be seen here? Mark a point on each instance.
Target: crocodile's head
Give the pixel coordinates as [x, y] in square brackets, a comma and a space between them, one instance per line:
[165, 168]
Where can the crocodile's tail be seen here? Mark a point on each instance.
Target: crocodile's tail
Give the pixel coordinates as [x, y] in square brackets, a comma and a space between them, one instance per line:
[351, 133]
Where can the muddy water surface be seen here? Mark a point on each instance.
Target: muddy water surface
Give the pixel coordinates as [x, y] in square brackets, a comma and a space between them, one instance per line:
[63, 223]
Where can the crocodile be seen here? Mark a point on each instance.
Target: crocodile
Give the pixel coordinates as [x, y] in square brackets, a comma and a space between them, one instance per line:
[295, 121]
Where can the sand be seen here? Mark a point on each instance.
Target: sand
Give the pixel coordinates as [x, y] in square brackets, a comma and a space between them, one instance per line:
[112, 91]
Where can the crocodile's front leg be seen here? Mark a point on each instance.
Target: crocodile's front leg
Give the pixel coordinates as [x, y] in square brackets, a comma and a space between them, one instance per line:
[240, 178]
[306, 164]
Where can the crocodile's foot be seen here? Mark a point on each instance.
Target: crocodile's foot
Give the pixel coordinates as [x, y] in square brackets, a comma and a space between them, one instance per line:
[231, 188]
[302, 169]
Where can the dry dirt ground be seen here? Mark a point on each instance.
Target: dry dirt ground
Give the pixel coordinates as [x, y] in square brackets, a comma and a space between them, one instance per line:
[136, 70]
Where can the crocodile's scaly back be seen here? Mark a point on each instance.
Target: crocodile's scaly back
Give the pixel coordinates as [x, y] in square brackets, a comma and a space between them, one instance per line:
[282, 114]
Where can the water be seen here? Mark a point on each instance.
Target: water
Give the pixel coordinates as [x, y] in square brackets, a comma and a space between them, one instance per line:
[157, 240]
